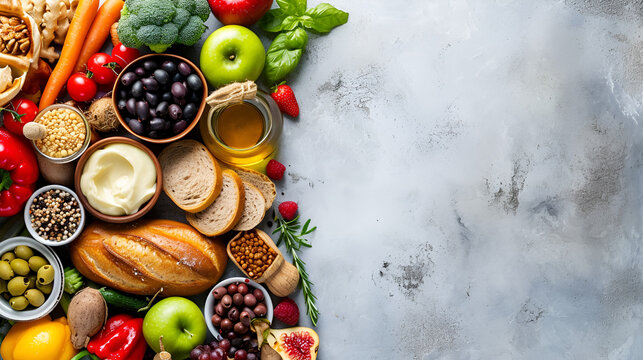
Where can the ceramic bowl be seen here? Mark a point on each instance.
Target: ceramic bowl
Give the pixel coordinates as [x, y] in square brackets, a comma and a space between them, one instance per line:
[33, 232]
[159, 57]
[208, 309]
[52, 299]
[124, 218]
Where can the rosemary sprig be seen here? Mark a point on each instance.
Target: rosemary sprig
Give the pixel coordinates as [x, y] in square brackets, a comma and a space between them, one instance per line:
[293, 238]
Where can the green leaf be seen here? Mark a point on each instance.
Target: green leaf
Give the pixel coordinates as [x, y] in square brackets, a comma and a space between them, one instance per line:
[325, 18]
[293, 7]
[5, 180]
[284, 54]
[290, 23]
[273, 20]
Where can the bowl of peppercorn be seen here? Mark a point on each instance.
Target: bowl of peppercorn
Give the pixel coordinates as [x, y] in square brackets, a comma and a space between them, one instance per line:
[159, 98]
[54, 215]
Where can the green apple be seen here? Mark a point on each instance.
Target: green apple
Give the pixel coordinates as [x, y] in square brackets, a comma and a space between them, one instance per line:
[179, 321]
[232, 53]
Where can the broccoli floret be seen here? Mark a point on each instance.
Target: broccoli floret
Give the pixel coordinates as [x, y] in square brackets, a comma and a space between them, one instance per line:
[191, 32]
[181, 18]
[161, 23]
[73, 280]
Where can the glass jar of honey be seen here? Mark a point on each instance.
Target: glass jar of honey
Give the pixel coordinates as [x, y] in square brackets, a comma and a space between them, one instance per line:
[243, 134]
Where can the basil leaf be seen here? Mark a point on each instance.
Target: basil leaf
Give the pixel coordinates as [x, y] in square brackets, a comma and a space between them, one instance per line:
[326, 17]
[284, 54]
[293, 7]
[290, 23]
[273, 20]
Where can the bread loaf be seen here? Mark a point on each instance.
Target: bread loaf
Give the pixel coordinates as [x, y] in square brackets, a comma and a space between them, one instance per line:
[142, 257]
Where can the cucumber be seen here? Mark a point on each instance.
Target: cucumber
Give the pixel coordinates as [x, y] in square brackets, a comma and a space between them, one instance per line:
[122, 300]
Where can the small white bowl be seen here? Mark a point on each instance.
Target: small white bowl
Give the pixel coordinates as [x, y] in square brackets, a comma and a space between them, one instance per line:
[208, 309]
[56, 293]
[33, 232]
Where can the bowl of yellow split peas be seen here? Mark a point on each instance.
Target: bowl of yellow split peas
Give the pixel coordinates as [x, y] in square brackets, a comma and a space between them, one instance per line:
[31, 279]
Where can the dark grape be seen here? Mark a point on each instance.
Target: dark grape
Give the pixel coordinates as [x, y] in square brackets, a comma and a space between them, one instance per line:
[150, 66]
[194, 82]
[136, 126]
[232, 351]
[178, 90]
[184, 69]
[139, 71]
[128, 78]
[251, 356]
[161, 76]
[204, 356]
[169, 66]
[225, 343]
[214, 344]
[142, 110]
[236, 342]
[130, 105]
[241, 355]
[137, 90]
[179, 127]
[189, 111]
[150, 84]
[152, 98]
[157, 124]
[175, 111]
[195, 353]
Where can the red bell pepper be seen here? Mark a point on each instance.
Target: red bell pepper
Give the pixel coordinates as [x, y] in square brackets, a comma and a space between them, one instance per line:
[121, 339]
[18, 172]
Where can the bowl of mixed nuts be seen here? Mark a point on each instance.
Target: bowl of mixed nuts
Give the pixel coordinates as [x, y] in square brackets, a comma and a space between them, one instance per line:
[54, 215]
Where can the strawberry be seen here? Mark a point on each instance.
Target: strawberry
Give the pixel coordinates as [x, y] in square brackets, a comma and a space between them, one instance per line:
[275, 169]
[288, 210]
[287, 312]
[285, 98]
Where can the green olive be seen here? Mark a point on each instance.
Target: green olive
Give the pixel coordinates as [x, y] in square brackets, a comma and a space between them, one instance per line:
[36, 262]
[35, 297]
[3, 286]
[46, 289]
[20, 267]
[32, 281]
[6, 272]
[8, 256]
[46, 275]
[19, 303]
[18, 285]
[23, 252]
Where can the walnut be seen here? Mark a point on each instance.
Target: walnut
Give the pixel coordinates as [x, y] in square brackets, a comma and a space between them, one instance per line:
[14, 36]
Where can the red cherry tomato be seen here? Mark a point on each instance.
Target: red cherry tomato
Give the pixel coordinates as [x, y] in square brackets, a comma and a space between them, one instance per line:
[102, 67]
[123, 55]
[80, 87]
[17, 113]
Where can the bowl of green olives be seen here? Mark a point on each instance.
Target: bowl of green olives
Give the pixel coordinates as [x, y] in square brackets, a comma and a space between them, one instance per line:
[31, 279]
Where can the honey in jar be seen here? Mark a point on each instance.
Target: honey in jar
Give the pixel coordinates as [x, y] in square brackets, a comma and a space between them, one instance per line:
[240, 126]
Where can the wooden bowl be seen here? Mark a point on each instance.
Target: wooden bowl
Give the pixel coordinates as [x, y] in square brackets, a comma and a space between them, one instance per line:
[124, 218]
[131, 66]
[281, 277]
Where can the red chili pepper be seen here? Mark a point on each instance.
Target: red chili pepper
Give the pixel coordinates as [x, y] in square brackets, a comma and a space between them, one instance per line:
[121, 339]
[18, 173]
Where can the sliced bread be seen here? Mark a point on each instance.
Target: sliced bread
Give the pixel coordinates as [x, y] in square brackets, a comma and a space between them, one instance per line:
[225, 211]
[254, 208]
[191, 175]
[261, 182]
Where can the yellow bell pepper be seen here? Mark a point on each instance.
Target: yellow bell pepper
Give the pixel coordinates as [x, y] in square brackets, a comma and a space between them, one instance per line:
[39, 339]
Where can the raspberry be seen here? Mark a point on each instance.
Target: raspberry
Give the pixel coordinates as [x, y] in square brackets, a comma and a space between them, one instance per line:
[288, 210]
[287, 312]
[275, 169]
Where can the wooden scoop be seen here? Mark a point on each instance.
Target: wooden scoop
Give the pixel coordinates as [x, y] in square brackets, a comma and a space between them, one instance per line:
[281, 277]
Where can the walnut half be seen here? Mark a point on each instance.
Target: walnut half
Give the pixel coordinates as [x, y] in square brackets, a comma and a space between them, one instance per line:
[14, 36]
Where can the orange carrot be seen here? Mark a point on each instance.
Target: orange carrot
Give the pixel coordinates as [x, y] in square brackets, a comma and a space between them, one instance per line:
[108, 14]
[82, 20]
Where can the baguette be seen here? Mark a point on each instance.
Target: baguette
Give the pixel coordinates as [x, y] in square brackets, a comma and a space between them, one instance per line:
[254, 209]
[191, 175]
[142, 257]
[225, 212]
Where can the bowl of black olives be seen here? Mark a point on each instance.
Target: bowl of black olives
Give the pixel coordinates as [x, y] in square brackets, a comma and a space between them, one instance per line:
[159, 98]
[31, 279]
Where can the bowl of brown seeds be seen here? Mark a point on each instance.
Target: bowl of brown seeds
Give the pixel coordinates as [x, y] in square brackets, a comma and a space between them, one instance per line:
[54, 215]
